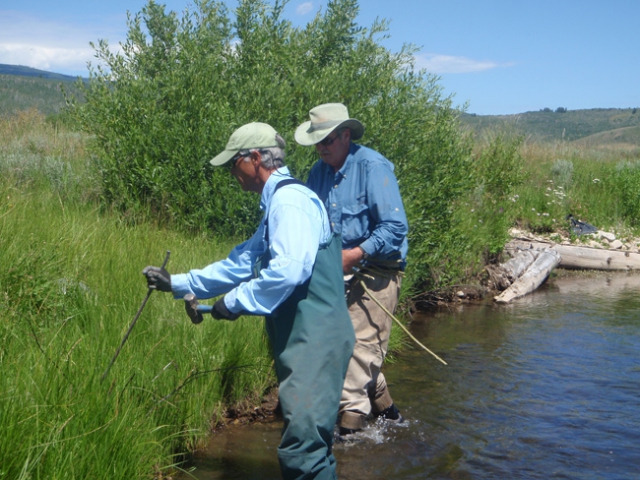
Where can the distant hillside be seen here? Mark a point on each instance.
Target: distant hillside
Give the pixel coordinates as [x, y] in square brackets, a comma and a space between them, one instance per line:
[568, 125]
[618, 136]
[22, 88]
[32, 72]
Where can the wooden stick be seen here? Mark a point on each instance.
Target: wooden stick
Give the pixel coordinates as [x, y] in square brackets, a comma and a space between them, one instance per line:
[133, 323]
[398, 322]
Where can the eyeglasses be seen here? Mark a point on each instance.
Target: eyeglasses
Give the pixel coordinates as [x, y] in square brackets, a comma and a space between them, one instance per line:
[234, 161]
[329, 140]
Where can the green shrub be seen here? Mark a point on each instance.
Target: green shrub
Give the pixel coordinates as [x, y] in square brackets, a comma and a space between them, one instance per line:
[168, 103]
[482, 216]
[499, 174]
[627, 188]
[562, 171]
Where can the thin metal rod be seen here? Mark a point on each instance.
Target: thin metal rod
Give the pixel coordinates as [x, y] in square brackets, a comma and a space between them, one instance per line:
[398, 322]
[135, 319]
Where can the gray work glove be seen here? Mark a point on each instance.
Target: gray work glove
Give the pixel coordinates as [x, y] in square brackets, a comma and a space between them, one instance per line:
[221, 312]
[157, 278]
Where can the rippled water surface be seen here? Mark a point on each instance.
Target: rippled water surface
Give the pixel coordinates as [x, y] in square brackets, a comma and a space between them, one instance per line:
[546, 387]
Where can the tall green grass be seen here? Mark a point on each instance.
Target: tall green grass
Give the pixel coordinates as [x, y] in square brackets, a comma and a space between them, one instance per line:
[599, 186]
[70, 284]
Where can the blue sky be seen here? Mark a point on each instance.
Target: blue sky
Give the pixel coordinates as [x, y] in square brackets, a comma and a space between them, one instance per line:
[498, 56]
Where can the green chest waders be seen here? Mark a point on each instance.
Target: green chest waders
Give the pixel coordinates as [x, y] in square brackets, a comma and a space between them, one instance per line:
[312, 341]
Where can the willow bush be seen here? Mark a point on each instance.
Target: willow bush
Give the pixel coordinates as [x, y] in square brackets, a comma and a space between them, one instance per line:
[482, 217]
[166, 104]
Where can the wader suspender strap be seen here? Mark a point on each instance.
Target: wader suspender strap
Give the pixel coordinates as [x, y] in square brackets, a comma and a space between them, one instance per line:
[283, 183]
[288, 181]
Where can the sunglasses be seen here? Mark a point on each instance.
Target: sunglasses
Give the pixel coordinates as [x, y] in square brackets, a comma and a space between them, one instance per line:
[234, 161]
[329, 140]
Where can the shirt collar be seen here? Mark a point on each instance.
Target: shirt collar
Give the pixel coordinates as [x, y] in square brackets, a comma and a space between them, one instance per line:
[347, 163]
[281, 173]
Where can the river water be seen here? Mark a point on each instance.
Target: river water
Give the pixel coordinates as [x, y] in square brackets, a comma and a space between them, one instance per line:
[545, 387]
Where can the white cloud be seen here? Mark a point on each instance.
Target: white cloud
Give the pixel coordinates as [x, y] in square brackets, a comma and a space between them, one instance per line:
[48, 45]
[56, 59]
[304, 8]
[440, 64]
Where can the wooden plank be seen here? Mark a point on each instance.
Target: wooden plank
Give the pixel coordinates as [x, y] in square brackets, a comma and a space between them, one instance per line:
[573, 257]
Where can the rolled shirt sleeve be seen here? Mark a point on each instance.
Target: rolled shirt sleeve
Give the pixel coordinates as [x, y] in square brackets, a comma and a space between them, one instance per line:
[386, 210]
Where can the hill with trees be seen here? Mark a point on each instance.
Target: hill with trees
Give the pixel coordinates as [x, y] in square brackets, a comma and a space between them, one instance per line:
[562, 124]
[23, 71]
[22, 88]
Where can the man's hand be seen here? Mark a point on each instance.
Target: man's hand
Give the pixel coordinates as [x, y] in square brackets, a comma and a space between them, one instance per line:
[221, 312]
[351, 258]
[157, 278]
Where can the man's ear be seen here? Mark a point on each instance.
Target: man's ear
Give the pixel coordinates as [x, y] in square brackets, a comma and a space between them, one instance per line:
[256, 158]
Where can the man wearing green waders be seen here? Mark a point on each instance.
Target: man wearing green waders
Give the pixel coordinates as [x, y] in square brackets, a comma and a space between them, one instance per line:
[289, 271]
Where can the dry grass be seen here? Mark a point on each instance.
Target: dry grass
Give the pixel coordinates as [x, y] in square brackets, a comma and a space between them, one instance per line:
[30, 131]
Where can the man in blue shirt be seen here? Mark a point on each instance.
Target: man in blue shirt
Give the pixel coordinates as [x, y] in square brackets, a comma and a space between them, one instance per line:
[362, 196]
[289, 271]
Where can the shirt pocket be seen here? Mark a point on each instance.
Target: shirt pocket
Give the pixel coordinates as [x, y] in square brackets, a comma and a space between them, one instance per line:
[355, 223]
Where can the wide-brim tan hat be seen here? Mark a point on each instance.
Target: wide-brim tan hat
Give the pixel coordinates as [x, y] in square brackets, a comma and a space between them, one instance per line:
[248, 137]
[325, 119]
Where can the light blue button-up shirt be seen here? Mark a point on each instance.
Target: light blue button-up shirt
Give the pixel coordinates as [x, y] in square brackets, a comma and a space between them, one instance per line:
[364, 203]
[298, 225]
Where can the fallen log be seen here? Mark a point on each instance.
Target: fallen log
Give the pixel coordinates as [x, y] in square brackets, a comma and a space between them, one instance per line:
[503, 275]
[573, 257]
[546, 260]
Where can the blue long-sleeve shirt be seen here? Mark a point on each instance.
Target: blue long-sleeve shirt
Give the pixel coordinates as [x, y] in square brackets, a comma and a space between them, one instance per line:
[298, 225]
[364, 203]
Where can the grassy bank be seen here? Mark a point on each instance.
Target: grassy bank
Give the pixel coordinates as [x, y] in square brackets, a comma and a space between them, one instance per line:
[70, 284]
[533, 187]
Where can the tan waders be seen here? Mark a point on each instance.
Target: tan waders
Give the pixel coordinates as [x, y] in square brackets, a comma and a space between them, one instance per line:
[365, 388]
